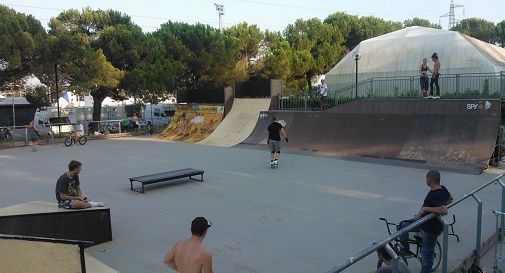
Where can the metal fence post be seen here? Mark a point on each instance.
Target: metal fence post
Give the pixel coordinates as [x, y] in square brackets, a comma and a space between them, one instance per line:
[458, 77]
[502, 200]
[502, 84]
[445, 244]
[394, 257]
[479, 229]
[411, 84]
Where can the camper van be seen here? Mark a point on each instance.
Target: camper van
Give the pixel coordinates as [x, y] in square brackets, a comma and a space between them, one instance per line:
[47, 121]
[158, 114]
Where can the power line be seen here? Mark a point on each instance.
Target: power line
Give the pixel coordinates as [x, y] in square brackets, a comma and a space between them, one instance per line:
[331, 11]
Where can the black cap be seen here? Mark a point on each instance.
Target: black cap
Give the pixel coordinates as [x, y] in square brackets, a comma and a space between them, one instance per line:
[200, 225]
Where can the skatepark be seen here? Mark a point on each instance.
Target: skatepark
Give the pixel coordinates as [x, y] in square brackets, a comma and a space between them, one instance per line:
[343, 169]
[306, 216]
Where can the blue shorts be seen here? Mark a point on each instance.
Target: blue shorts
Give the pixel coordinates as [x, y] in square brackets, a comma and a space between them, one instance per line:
[424, 81]
[275, 145]
[66, 204]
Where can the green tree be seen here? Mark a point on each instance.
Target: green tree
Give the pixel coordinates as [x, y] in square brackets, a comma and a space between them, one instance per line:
[317, 47]
[477, 28]
[371, 26]
[122, 45]
[500, 33]
[209, 56]
[420, 22]
[156, 74]
[248, 39]
[348, 26]
[22, 42]
[38, 96]
[76, 48]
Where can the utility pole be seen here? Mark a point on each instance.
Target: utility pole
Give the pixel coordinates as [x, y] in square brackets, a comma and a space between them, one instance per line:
[220, 11]
[57, 97]
[452, 15]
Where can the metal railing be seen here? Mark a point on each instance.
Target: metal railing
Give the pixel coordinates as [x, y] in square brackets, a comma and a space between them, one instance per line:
[445, 235]
[79, 243]
[471, 85]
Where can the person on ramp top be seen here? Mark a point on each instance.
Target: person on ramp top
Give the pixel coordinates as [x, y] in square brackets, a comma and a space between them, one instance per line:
[274, 140]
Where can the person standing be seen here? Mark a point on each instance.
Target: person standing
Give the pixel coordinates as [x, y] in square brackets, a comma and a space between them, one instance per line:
[34, 136]
[434, 77]
[423, 77]
[436, 202]
[189, 255]
[323, 89]
[274, 141]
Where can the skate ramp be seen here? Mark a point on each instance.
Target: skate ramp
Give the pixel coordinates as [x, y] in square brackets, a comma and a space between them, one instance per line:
[45, 255]
[239, 123]
[451, 133]
[43, 219]
[193, 123]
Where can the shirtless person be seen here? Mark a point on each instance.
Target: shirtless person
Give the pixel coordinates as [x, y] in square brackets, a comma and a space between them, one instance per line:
[188, 255]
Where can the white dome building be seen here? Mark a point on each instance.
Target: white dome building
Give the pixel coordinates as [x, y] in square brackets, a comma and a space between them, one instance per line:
[400, 53]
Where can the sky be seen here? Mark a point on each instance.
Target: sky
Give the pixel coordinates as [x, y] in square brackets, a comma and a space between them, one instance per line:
[272, 15]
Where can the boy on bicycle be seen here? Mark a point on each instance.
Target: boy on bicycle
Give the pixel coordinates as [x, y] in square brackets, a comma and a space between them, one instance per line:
[436, 201]
[78, 132]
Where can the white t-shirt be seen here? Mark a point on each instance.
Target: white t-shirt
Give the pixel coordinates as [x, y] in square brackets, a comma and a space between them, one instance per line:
[79, 129]
[323, 90]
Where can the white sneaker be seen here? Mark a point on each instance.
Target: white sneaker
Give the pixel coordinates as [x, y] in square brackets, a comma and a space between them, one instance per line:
[429, 97]
[436, 97]
[276, 162]
[96, 204]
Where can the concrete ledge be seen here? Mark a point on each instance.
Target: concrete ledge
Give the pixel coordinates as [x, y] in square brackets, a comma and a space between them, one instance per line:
[43, 219]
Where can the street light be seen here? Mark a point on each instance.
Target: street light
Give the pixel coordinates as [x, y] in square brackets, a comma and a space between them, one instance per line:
[220, 11]
[13, 87]
[57, 97]
[356, 58]
[13, 112]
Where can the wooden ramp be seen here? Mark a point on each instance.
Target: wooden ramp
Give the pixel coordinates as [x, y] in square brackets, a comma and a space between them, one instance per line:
[239, 123]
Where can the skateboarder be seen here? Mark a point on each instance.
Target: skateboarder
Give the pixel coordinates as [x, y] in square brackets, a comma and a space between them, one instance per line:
[274, 141]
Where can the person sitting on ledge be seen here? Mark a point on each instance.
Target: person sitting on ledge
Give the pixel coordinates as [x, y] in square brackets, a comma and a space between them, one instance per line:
[68, 189]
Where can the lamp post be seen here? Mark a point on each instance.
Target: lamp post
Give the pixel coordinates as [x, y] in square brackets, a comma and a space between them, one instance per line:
[356, 58]
[13, 112]
[57, 97]
[220, 11]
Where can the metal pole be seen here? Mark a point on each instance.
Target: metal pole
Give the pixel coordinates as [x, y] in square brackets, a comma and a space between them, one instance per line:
[502, 201]
[13, 113]
[57, 98]
[394, 258]
[356, 78]
[445, 244]
[502, 84]
[479, 229]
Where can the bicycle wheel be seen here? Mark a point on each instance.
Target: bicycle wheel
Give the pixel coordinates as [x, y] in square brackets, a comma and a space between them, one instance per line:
[438, 257]
[68, 141]
[83, 140]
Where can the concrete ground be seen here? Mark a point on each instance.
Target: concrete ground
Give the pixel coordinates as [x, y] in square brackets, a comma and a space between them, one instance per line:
[307, 216]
